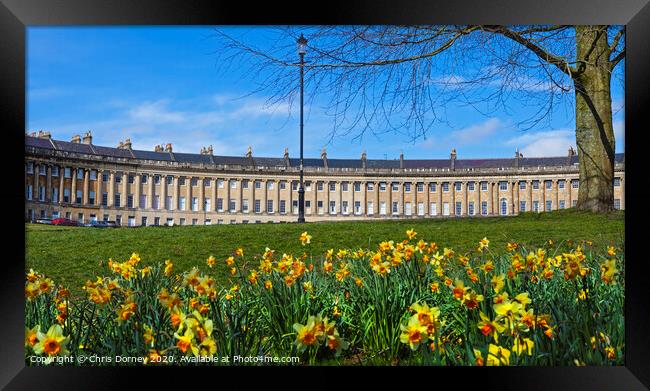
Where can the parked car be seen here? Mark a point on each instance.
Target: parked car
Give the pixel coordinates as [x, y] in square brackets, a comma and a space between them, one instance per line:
[64, 221]
[111, 224]
[44, 221]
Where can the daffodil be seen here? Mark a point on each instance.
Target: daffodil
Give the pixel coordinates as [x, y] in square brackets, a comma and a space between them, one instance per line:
[413, 333]
[498, 282]
[487, 327]
[31, 335]
[522, 345]
[305, 238]
[305, 334]
[411, 234]
[52, 343]
[211, 261]
[498, 356]
[186, 342]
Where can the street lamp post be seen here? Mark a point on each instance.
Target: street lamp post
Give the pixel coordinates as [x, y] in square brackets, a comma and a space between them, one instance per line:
[302, 49]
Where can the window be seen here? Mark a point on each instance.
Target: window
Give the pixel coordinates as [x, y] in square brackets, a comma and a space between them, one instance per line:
[181, 221]
[156, 179]
[459, 208]
[283, 206]
[80, 218]
[307, 204]
[269, 206]
[181, 181]
[617, 182]
[457, 186]
[207, 204]
[30, 192]
[445, 186]
[55, 171]
[195, 221]
[43, 213]
[407, 187]
[470, 208]
[116, 201]
[91, 197]
[549, 206]
[156, 221]
[560, 184]
[258, 185]
[382, 208]
[484, 208]
[30, 167]
[382, 186]
[143, 201]
[333, 207]
[562, 205]
[78, 197]
[522, 206]
[131, 178]
[294, 207]
[535, 206]
[394, 186]
[66, 195]
[244, 184]
[181, 203]
[219, 204]
[395, 208]
[170, 180]
[522, 185]
[420, 208]
[118, 219]
[548, 185]
[432, 187]
[207, 222]
[244, 205]
[104, 199]
[258, 207]
[344, 207]
[129, 201]
[371, 208]
[445, 209]
[233, 184]
[118, 178]
[433, 209]
[195, 204]
[41, 170]
[67, 172]
[105, 218]
[93, 175]
[156, 202]
[370, 186]
[470, 186]
[484, 186]
[169, 222]
[55, 194]
[168, 202]
[420, 187]
[617, 203]
[207, 182]
[55, 215]
[319, 205]
[143, 221]
[332, 186]
[233, 205]
[407, 208]
[503, 185]
[194, 182]
[294, 185]
[504, 207]
[80, 173]
[319, 186]
[41, 193]
[535, 185]
[143, 179]
[357, 186]
[357, 207]
[104, 176]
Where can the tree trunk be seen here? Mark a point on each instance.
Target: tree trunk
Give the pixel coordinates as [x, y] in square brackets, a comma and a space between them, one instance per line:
[594, 129]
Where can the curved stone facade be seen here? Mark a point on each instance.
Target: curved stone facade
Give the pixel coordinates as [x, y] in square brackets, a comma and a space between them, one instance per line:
[83, 181]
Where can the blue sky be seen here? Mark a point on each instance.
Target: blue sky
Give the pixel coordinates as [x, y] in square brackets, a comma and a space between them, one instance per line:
[158, 85]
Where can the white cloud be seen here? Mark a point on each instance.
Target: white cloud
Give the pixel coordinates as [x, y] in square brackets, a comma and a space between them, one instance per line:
[545, 143]
[619, 135]
[476, 133]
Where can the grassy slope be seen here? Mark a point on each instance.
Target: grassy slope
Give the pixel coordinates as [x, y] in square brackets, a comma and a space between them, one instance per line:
[71, 255]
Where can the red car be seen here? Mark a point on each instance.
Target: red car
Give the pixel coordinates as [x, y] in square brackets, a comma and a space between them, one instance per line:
[64, 221]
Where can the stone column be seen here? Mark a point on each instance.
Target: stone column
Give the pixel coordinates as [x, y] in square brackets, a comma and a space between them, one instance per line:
[290, 192]
[427, 198]
[389, 205]
[125, 190]
[466, 203]
[544, 196]
[36, 181]
[200, 197]
[61, 182]
[175, 193]
[264, 193]
[556, 198]
[213, 194]
[414, 202]
[622, 192]
[163, 192]
[515, 197]
[452, 209]
[439, 206]
[111, 188]
[188, 195]
[314, 196]
[84, 197]
[73, 186]
[569, 189]
[149, 200]
[136, 197]
[478, 211]
[327, 198]
[490, 185]
[100, 191]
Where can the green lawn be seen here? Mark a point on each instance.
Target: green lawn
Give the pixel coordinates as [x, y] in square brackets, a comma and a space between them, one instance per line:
[71, 255]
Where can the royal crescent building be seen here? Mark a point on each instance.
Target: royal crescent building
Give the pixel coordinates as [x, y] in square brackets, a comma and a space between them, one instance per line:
[82, 181]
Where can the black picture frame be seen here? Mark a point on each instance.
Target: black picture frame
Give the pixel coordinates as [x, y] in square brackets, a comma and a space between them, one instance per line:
[17, 15]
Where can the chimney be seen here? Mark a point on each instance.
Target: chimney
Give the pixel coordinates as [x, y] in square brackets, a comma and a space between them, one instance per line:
[76, 139]
[401, 160]
[363, 160]
[323, 155]
[206, 151]
[572, 153]
[88, 138]
[127, 143]
[517, 156]
[158, 148]
[287, 162]
[42, 134]
[452, 159]
[249, 152]
[168, 147]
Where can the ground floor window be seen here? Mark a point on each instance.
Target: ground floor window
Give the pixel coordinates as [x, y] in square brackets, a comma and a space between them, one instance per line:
[371, 209]
[433, 210]
[562, 206]
[382, 208]
[170, 222]
[131, 221]
[470, 208]
[459, 207]
[504, 207]
[143, 221]
[407, 208]
[445, 208]
[522, 206]
[420, 208]
[549, 206]
[617, 203]
[535, 206]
